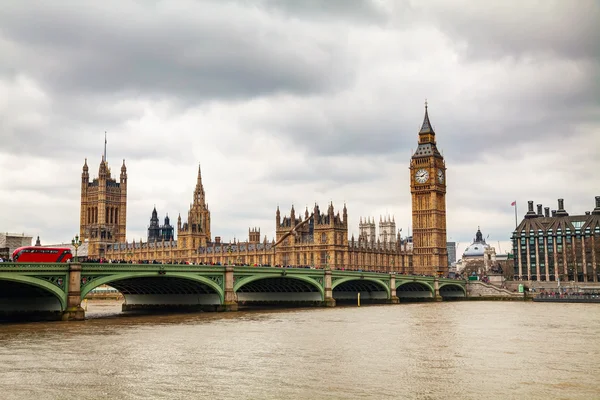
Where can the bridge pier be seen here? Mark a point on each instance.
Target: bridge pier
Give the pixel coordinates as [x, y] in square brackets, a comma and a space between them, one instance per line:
[74, 311]
[393, 297]
[436, 288]
[328, 300]
[230, 299]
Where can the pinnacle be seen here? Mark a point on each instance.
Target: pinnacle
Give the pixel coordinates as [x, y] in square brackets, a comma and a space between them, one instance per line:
[426, 127]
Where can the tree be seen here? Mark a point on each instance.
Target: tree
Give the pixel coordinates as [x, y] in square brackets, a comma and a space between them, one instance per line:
[471, 266]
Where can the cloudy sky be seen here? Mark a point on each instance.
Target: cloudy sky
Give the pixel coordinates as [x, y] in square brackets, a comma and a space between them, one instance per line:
[292, 102]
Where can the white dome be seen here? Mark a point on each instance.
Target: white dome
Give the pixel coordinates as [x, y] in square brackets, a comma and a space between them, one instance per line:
[478, 247]
[475, 250]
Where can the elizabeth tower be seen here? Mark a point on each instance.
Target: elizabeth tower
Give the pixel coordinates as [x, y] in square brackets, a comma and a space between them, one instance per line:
[428, 190]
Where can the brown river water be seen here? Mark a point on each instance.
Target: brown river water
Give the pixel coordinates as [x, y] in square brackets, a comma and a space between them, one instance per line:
[454, 350]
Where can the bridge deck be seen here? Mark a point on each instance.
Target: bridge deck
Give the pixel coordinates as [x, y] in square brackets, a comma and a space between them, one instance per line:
[61, 287]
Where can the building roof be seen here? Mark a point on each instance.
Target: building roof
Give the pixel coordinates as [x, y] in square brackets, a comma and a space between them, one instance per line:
[426, 127]
[560, 221]
[478, 247]
[475, 250]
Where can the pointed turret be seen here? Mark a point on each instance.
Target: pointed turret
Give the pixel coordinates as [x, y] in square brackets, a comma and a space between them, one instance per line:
[426, 128]
[278, 217]
[479, 236]
[85, 178]
[103, 170]
[427, 145]
[199, 191]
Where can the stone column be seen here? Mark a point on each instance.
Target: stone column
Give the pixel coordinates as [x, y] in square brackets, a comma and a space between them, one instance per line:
[230, 301]
[393, 297]
[328, 300]
[436, 288]
[583, 258]
[538, 270]
[528, 259]
[545, 239]
[594, 260]
[520, 258]
[74, 312]
[564, 255]
[555, 255]
[574, 256]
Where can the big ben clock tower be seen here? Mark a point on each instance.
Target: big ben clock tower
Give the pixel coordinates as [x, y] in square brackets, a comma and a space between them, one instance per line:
[428, 190]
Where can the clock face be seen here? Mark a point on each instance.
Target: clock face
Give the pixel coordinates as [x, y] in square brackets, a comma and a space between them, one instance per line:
[421, 176]
[440, 176]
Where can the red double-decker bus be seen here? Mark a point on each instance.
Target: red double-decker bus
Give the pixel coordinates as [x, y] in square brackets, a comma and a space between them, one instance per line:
[33, 254]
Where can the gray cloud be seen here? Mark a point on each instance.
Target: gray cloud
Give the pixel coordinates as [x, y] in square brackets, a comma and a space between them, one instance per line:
[520, 30]
[193, 50]
[352, 10]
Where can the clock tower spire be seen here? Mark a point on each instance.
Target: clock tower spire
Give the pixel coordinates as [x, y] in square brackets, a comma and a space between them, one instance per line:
[428, 192]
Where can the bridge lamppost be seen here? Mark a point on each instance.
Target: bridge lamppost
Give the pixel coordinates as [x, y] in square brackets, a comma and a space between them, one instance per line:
[76, 242]
[327, 261]
[392, 264]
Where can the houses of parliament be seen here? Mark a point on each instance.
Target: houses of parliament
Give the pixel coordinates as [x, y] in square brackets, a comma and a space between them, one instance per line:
[309, 238]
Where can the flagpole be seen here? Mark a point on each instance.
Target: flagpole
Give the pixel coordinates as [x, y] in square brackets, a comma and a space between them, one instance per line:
[516, 224]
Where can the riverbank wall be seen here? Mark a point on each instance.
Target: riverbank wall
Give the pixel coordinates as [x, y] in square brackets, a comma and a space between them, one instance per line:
[477, 290]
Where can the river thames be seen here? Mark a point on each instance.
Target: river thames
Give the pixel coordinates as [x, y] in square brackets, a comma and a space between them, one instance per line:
[455, 350]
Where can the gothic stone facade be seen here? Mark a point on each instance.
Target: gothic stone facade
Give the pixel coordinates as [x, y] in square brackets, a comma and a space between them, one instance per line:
[158, 232]
[428, 190]
[320, 239]
[103, 217]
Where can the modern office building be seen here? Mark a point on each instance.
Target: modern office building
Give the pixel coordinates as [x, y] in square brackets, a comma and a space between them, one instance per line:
[451, 248]
[549, 246]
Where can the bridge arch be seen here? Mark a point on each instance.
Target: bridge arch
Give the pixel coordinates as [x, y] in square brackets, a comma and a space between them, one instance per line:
[370, 289]
[178, 280]
[278, 288]
[414, 289]
[47, 286]
[452, 290]
[377, 283]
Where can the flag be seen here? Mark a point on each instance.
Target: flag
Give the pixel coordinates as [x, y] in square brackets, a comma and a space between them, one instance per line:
[514, 203]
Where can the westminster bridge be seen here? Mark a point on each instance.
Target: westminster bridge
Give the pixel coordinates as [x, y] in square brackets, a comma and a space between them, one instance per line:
[57, 290]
